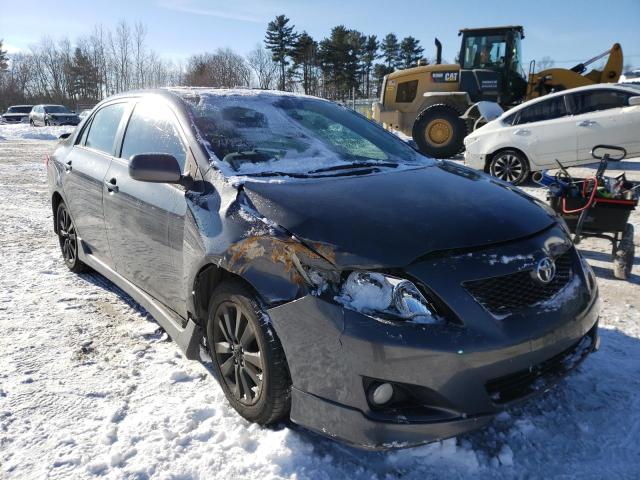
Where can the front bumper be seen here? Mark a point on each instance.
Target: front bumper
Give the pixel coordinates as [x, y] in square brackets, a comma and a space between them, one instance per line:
[462, 375]
[59, 123]
[474, 160]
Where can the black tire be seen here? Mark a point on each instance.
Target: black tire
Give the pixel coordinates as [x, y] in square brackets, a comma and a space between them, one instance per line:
[31, 123]
[251, 365]
[46, 123]
[439, 131]
[510, 166]
[68, 240]
[624, 255]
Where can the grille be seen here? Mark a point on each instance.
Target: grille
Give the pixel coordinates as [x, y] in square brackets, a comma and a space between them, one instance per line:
[516, 291]
[520, 384]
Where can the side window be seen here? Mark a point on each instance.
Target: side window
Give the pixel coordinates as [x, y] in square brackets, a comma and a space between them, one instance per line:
[407, 91]
[545, 110]
[103, 128]
[510, 119]
[595, 100]
[152, 129]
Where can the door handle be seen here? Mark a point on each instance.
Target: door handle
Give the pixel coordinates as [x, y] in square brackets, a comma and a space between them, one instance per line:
[586, 123]
[111, 185]
[67, 166]
[522, 131]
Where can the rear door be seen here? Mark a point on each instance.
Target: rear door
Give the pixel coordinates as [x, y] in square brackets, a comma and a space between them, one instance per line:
[603, 116]
[145, 221]
[546, 131]
[85, 169]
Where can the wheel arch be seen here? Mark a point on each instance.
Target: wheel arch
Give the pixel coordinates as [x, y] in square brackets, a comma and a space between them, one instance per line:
[492, 155]
[210, 276]
[56, 200]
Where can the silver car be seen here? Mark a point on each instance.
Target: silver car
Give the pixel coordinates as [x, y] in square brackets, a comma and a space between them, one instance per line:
[45, 115]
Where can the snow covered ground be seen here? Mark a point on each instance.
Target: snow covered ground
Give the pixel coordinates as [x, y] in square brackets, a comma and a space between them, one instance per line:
[24, 131]
[91, 388]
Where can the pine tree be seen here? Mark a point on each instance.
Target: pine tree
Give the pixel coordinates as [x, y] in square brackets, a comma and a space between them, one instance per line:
[304, 57]
[369, 55]
[410, 52]
[340, 56]
[280, 39]
[391, 51]
[84, 76]
[4, 59]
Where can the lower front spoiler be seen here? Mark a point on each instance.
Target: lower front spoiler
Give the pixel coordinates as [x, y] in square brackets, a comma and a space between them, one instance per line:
[350, 426]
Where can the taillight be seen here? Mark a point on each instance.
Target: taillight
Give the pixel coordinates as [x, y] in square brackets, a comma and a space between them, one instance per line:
[46, 160]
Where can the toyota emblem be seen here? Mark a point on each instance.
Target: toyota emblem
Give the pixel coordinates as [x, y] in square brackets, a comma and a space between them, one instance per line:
[546, 270]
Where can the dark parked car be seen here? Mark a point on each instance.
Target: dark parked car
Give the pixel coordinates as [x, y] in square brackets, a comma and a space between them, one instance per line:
[16, 114]
[336, 276]
[46, 115]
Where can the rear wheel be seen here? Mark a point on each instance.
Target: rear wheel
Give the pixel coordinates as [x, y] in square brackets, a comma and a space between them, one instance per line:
[247, 355]
[68, 240]
[510, 166]
[439, 131]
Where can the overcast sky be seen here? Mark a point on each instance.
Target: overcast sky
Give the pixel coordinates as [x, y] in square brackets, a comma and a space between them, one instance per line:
[567, 31]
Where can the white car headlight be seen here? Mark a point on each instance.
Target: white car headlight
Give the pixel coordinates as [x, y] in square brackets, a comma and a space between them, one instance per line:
[385, 296]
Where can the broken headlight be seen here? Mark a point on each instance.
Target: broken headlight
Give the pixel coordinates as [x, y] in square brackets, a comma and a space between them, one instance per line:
[386, 297]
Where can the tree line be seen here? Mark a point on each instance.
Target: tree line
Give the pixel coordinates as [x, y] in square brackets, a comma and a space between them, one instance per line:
[112, 60]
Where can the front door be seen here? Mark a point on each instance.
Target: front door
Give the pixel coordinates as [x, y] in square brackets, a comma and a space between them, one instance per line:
[145, 221]
[547, 132]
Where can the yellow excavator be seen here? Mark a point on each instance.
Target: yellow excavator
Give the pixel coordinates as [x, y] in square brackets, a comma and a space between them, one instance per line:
[438, 105]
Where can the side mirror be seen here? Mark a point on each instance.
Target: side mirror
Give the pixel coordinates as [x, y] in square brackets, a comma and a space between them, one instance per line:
[155, 168]
[634, 101]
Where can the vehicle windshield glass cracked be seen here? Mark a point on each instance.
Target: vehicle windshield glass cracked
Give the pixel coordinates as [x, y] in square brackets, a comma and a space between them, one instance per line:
[256, 133]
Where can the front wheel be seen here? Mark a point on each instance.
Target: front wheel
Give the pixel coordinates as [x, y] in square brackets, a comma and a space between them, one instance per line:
[439, 131]
[248, 356]
[68, 240]
[510, 166]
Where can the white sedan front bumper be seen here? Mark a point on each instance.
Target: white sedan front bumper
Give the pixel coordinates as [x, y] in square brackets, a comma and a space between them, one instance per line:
[474, 160]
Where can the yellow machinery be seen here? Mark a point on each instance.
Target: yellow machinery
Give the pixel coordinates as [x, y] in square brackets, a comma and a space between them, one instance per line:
[437, 105]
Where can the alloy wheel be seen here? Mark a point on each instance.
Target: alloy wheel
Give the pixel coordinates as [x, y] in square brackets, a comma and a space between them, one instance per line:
[67, 237]
[237, 353]
[508, 167]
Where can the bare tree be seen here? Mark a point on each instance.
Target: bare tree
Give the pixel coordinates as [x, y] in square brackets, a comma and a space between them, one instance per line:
[544, 63]
[224, 68]
[263, 66]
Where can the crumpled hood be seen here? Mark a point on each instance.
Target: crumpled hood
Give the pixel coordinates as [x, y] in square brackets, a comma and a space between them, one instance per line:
[391, 219]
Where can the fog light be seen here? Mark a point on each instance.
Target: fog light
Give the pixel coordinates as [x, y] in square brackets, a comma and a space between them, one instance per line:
[382, 394]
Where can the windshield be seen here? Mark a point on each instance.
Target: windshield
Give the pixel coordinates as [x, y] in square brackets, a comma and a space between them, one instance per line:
[56, 109]
[259, 133]
[25, 109]
[484, 51]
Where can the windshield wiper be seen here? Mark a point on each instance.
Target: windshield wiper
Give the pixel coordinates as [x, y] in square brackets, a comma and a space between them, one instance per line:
[351, 166]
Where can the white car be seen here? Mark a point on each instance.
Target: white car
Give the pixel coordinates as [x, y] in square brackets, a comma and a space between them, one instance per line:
[562, 126]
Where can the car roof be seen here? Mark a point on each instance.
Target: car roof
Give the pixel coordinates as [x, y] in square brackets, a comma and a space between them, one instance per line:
[586, 88]
[13, 106]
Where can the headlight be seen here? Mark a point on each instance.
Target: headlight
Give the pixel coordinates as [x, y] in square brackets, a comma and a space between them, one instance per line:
[386, 297]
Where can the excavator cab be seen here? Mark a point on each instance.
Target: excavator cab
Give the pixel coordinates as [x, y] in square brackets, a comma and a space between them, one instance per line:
[491, 60]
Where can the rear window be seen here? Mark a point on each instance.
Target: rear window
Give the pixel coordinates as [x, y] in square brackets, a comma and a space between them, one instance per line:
[104, 126]
[407, 91]
[545, 110]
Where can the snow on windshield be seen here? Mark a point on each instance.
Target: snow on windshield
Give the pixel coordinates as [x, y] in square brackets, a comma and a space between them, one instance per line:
[254, 132]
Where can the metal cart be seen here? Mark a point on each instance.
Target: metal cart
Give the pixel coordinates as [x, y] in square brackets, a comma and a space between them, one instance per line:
[599, 207]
